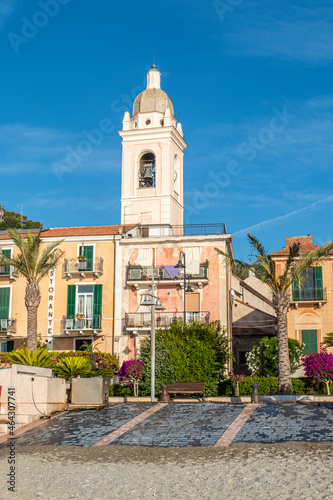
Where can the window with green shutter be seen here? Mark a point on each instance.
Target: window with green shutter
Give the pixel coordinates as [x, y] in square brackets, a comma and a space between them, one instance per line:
[296, 295]
[71, 293]
[318, 279]
[312, 286]
[88, 252]
[309, 339]
[5, 269]
[97, 306]
[4, 303]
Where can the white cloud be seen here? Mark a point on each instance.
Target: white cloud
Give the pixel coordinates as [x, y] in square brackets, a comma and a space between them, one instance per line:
[285, 30]
[6, 9]
[24, 148]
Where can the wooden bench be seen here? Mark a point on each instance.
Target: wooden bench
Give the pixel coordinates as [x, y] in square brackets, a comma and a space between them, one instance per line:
[182, 388]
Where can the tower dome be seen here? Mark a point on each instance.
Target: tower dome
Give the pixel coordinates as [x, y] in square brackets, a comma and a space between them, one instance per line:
[153, 98]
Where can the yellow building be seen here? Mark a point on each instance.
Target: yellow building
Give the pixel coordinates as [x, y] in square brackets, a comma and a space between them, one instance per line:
[310, 315]
[78, 297]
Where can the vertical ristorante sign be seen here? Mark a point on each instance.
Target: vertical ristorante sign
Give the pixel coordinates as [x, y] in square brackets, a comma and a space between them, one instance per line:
[50, 309]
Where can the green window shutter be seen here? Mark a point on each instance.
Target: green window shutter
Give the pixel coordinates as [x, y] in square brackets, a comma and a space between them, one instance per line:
[4, 303]
[296, 291]
[88, 252]
[97, 306]
[309, 338]
[7, 253]
[71, 293]
[318, 275]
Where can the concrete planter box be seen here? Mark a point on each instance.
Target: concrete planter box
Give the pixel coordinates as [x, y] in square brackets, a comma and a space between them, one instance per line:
[90, 391]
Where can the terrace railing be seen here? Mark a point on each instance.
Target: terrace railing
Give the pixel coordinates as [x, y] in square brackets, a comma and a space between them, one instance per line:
[164, 319]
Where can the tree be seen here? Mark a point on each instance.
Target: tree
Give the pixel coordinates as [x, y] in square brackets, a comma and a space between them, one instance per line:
[186, 353]
[263, 266]
[33, 262]
[263, 359]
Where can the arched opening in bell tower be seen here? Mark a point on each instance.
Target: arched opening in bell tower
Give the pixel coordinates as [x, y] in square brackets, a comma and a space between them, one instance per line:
[147, 173]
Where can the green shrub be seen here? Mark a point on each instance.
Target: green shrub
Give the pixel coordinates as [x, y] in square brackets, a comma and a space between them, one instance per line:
[42, 357]
[68, 367]
[267, 385]
[120, 390]
[190, 353]
[263, 359]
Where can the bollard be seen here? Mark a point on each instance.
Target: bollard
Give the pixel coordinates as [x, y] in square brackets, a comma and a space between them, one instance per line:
[255, 396]
[165, 398]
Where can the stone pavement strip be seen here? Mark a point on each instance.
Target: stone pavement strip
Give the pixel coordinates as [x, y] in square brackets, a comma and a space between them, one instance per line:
[124, 428]
[229, 435]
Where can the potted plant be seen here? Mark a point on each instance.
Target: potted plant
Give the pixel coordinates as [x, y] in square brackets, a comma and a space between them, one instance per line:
[82, 262]
[80, 320]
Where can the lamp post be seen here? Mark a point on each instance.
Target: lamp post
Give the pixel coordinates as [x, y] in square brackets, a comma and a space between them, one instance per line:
[187, 289]
[149, 301]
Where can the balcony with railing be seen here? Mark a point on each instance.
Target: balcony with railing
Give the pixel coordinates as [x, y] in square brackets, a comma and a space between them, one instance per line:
[141, 274]
[309, 295]
[10, 271]
[7, 326]
[80, 324]
[142, 321]
[167, 230]
[83, 267]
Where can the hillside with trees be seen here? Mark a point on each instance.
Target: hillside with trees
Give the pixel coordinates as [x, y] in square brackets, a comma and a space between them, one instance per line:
[13, 220]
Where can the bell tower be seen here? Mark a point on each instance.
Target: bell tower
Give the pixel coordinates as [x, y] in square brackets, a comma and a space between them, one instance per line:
[152, 163]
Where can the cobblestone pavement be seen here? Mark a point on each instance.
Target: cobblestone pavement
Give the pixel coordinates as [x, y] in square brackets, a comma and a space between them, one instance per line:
[82, 428]
[277, 423]
[185, 425]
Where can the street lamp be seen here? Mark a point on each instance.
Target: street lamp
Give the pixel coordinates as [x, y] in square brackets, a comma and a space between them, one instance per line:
[149, 301]
[187, 289]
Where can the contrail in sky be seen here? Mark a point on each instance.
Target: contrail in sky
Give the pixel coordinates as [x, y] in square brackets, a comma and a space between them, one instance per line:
[277, 220]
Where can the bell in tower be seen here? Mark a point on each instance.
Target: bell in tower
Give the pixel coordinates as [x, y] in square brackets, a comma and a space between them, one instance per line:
[147, 171]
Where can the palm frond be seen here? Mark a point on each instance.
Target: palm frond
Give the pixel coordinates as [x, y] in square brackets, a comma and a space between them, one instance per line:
[257, 245]
[312, 257]
[294, 252]
[233, 263]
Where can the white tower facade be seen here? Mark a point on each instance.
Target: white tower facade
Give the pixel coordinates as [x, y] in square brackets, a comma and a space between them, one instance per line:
[152, 163]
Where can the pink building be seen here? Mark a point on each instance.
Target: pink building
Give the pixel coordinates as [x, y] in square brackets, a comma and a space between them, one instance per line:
[152, 202]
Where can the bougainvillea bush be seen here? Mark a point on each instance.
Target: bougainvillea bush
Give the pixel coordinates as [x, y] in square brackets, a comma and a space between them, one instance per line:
[131, 371]
[319, 368]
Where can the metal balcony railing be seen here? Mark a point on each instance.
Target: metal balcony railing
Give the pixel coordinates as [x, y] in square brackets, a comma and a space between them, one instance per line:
[164, 319]
[75, 323]
[8, 271]
[138, 273]
[76, 266]
[163, 230]
[7, 325]
[310, 295]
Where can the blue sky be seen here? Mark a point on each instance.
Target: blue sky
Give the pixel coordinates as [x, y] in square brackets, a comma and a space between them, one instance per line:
[251, 79]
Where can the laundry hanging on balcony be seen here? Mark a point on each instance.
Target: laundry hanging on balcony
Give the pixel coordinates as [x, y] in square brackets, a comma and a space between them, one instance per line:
[145, 257]
[193, 256]
[171, 271]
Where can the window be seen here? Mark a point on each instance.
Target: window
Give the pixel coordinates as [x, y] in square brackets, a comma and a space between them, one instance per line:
[88, 252]
[242, 357]
[84, 307]
[4, 308]
[312, 288]
[147, 171]
[4, 270]
[81, 344]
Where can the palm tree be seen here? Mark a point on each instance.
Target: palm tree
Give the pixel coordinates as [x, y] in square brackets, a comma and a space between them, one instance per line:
[33, 262]
[263, 266]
